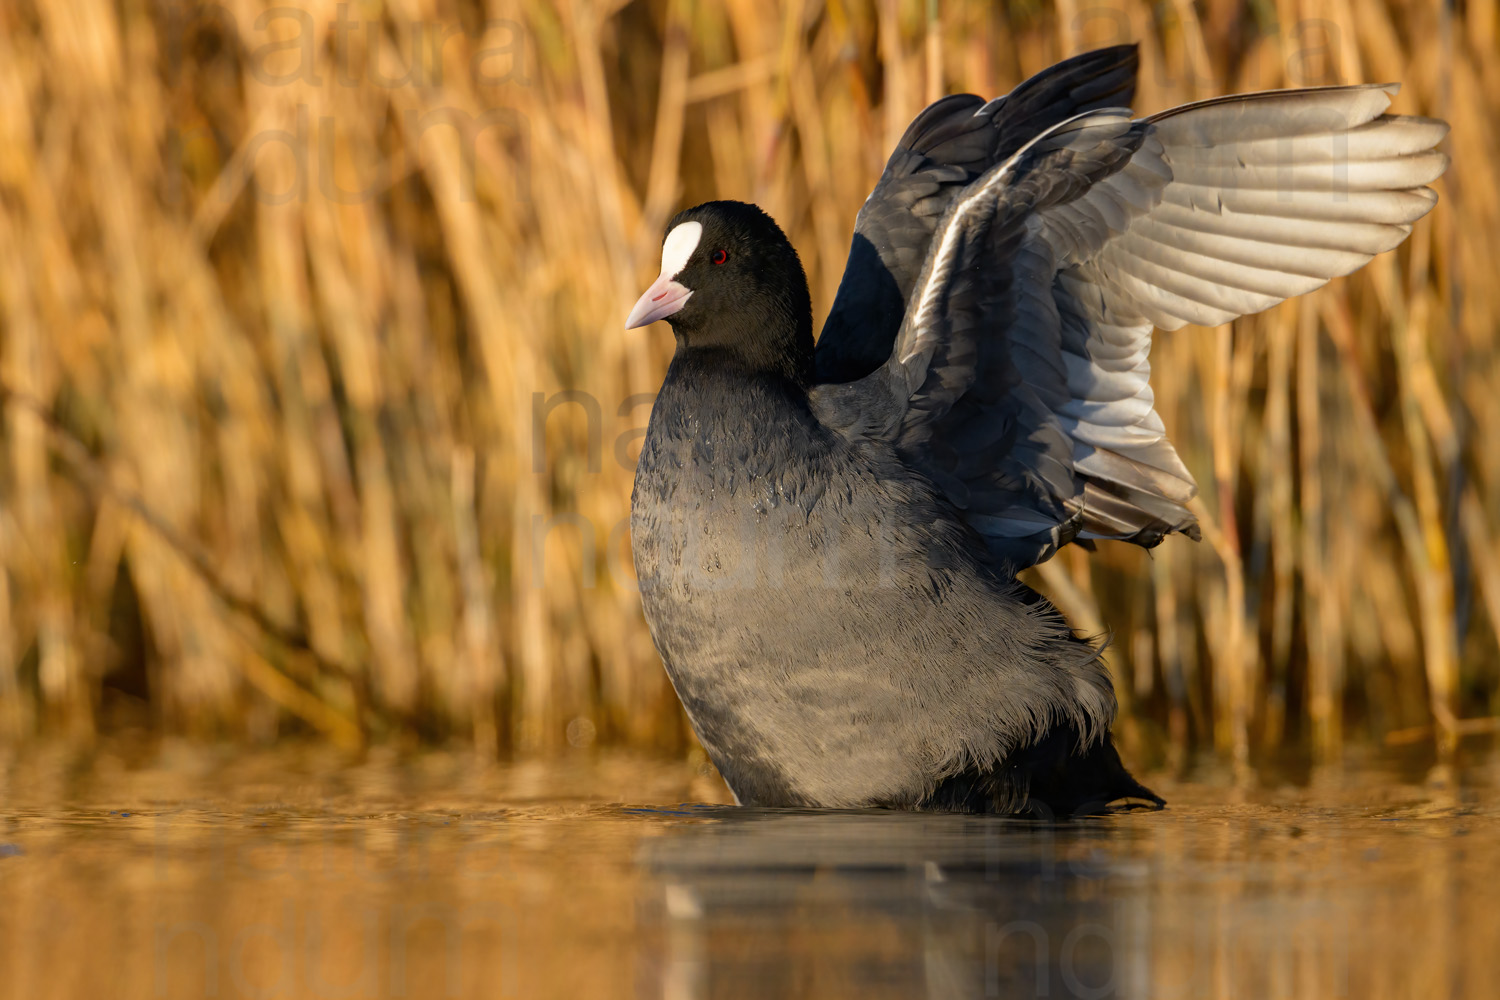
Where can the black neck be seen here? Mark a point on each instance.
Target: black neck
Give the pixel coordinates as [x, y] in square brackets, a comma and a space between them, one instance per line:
[771, 335]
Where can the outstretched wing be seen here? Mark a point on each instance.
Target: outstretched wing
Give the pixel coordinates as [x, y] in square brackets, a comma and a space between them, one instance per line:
[1019, 380]
[945, 149]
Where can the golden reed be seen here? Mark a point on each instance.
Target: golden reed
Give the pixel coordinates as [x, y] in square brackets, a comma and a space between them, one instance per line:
[319, 416]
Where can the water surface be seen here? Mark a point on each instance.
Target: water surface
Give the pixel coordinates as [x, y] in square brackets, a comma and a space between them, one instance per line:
[186, 875]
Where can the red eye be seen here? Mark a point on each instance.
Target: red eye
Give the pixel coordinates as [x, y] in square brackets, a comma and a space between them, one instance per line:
[718, 256]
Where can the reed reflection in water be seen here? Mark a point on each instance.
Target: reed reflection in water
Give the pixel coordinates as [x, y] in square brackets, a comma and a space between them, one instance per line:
[288, 876]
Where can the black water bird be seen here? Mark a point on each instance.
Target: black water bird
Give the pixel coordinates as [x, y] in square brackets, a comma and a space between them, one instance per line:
[827, 536]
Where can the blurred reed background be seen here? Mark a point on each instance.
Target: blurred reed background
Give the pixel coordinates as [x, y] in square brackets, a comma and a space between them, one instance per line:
[280, 287]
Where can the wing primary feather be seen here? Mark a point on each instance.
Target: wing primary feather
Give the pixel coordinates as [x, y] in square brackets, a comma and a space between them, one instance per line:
[1049, 235]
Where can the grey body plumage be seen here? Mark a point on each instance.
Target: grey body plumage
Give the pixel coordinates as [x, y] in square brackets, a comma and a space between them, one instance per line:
[804, 593]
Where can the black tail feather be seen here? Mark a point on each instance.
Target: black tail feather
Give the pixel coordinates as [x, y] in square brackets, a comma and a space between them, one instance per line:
[1050, 779]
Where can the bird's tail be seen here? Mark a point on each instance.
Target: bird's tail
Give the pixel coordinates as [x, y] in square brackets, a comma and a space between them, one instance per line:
[1087, 782]
[1051, 779]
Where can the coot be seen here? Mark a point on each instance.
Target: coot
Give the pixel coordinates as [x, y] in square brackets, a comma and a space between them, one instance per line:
[827, 537]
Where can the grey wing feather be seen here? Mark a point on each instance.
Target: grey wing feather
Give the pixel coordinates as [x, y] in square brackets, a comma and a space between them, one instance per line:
[1020, 377]
[950, 144]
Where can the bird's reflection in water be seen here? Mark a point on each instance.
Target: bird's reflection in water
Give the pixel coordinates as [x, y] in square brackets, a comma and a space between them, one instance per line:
[777, 903]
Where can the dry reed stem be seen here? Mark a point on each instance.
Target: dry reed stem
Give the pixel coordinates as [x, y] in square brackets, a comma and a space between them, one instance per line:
[300, 301]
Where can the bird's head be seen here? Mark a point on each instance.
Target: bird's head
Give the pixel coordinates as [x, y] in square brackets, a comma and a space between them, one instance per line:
[731, 280]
